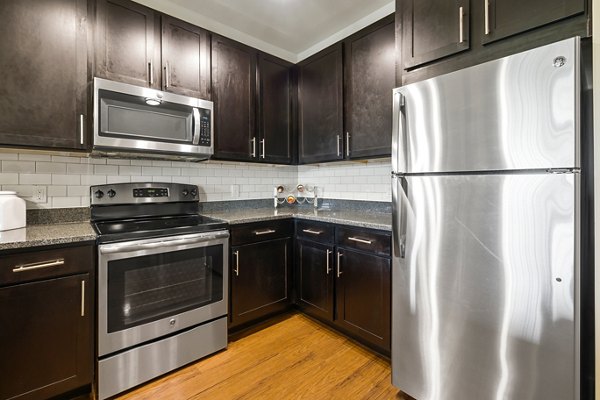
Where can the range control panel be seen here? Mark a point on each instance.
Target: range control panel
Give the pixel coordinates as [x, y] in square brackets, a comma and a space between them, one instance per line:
[133, 193]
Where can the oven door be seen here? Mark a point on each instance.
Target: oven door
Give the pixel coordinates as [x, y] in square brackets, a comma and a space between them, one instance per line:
[152, 288]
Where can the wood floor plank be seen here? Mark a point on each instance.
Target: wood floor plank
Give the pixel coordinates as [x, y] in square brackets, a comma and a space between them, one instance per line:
[296, 358]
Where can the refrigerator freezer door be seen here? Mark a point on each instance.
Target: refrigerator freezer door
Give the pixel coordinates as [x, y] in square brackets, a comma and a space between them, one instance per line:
[518, 112]
[483, 296]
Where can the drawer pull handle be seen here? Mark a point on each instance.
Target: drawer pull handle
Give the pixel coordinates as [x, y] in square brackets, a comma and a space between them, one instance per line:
[266, 232]
[237, 263]
[312, 232]
[339, 264]
[360, 240]
[39, 265]
[83, 298]
[328, 270]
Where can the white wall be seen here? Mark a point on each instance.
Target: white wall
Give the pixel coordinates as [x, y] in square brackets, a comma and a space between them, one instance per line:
[67, 178]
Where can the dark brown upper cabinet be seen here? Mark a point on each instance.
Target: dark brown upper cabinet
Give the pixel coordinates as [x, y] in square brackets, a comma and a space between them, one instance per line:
[274, 110]
[433, 29]
[320, 106]
[128, 43]
[428, 30]
[252, 92]
[503, 18]
[234, 95]
[44, 64]
[185, 58]
[369, 74]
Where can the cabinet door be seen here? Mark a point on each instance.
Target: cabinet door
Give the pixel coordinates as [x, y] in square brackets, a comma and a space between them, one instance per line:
[128, 43]
[234, 91]
[46, 337]
[44, 64]
[275, 133]
[185, 58]
[504, 18]
[370, 77]
[314, 279]
[259, 280]
[320, 108]
[433, 29]
[363, 296]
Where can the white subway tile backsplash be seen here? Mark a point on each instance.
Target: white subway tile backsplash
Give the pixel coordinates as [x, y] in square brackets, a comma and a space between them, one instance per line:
[35, 179]
[34, 157]
[59, 179]
[68, 178]
[18, 166]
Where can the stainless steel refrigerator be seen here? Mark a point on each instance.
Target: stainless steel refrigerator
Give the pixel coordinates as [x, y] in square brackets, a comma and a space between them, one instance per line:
[486, 186]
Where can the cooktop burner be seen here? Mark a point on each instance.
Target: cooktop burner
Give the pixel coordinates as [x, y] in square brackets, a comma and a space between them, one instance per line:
[131, 211]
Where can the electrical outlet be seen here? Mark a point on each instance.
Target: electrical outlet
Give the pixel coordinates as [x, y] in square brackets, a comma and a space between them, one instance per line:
[39, 194]
[235, 191]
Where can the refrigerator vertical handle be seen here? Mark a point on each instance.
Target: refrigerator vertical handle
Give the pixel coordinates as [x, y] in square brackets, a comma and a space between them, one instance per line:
[398, 133]
[399, 205]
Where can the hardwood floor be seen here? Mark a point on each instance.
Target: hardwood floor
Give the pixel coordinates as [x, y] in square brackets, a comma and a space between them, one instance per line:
[295, 358]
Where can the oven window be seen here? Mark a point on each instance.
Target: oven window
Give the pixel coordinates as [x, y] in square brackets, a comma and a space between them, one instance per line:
[151, 287]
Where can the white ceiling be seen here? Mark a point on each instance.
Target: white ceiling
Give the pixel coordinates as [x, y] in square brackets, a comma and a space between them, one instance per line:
[290, 29]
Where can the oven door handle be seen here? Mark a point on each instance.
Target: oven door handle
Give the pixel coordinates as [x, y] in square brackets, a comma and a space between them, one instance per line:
[127, 247]
[196, 126]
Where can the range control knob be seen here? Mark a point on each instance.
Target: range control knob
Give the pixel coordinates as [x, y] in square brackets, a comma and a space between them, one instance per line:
[99, 194]
[185, 192]
[194, 192]
[111, 193]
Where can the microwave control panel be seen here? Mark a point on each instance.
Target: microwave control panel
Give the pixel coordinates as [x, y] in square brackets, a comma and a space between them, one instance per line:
[205, 129]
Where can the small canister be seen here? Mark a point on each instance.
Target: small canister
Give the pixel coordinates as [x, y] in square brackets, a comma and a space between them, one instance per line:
[12, 211]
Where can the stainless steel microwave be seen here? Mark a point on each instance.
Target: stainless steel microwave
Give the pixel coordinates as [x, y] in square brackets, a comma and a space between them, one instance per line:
[136, 121]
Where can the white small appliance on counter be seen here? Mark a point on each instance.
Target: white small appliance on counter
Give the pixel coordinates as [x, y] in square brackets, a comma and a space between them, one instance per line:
[12, 211]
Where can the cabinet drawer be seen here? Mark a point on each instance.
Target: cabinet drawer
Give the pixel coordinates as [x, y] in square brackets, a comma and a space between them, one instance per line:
[365, 240]
[257, 232]
[42, 264]
[320, 232]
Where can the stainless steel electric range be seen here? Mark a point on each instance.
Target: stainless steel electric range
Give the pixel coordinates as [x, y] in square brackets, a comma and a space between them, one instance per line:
[162, 282]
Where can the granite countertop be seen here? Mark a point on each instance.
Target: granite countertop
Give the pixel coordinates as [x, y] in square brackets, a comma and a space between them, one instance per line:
[45, 235]
[363, 219]
[62, 226]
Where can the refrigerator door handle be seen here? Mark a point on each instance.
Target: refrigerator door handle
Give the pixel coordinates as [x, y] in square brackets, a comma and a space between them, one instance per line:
[398, 132]
[399, 205]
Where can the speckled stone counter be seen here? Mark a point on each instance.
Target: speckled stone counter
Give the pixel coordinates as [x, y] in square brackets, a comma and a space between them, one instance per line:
[363, 219]
[46, 235]
[50, 227]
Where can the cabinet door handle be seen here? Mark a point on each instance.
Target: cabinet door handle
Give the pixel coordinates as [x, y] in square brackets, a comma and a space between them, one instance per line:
[253, 152]
[151, 72]
[339, 153]
[81, 128]
[460, 25]
[38, 265]
[265, 232]
[359, 240]
[262, 143]
[347, 144]
[328, 270]
[312, 232]
[339, 264]
[83, 298]
[237, 263]
[487, 16]
[167, 75]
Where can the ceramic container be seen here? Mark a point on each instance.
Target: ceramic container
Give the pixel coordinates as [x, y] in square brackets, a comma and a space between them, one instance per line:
[12, 211]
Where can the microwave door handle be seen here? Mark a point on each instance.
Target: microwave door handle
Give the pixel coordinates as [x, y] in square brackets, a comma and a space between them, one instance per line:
[196, 126]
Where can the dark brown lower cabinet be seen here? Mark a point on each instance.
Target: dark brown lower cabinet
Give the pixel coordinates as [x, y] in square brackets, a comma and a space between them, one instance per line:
[260, 275]
[314, 278]
[343, 278]
[363, 297]
[46, 330]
